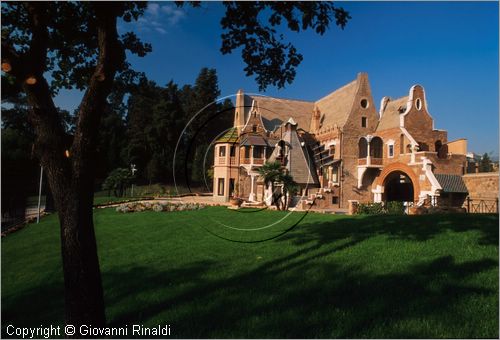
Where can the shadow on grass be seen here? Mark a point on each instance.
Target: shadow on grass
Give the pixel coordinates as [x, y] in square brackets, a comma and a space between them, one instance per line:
[43, 304]
[403, 227]
[278, 300]
[302, 295]
[295, 296]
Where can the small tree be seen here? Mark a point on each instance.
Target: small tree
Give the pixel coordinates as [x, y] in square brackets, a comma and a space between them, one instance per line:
[290, 188]
[485, 163]
[272, 172]
[118, 180]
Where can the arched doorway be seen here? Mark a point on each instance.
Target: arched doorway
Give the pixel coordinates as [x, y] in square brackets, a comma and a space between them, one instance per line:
[398, 186]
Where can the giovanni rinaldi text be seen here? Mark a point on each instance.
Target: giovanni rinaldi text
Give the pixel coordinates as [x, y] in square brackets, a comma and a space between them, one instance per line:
[87, 330]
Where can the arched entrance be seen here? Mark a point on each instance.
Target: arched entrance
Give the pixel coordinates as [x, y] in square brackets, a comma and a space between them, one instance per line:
[389, 176]
[398, 186]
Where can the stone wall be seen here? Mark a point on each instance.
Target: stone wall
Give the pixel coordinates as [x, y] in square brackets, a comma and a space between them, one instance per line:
[482, 185]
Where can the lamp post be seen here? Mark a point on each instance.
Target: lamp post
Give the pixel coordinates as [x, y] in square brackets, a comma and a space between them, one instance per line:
[133, 169]
[39, 195]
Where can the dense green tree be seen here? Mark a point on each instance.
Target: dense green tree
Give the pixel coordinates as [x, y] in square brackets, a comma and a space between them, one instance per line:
[485, 163]
[117, 181]
[209, 118]
[140, 105]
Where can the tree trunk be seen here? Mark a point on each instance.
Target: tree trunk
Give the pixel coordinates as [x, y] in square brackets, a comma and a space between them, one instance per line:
[83, 292]
[71, 184]
[69, 168]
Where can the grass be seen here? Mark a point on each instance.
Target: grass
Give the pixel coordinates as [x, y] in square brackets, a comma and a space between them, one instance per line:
[330, 276]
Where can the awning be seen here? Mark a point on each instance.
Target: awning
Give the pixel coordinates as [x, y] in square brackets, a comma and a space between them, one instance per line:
[332, 162]
[451, 183]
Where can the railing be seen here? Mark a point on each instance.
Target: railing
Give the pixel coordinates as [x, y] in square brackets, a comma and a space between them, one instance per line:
[373, 161]
[255, 161]
[481, 206]
[232, 160]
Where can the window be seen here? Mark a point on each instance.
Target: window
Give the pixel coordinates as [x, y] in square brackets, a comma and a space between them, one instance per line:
[362, 147]
[325, 173]
[376, 147]
[332, 150]
[418, 104]
[364, 103]
[247, 152]
[222, 151]
[335, 200]
[232, 151]
[231, 186]
[391, 151]
[254, 128]
[363, 121]
[335, 174]
[258, 152]
[220, 187]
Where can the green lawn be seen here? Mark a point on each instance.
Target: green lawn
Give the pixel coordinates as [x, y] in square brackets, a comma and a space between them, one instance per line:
[330, 276]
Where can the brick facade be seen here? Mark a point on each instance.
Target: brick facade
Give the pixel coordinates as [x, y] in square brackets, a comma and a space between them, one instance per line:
[358, 150]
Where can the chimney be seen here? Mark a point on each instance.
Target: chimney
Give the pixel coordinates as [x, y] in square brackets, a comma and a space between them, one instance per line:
[239, 111]
[316, 119]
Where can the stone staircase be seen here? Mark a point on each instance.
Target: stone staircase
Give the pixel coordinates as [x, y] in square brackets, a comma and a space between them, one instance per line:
[321, 201]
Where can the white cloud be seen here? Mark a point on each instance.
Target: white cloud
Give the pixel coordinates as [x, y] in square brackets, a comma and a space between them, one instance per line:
[153, 9]
[159, 17]
[160, 30]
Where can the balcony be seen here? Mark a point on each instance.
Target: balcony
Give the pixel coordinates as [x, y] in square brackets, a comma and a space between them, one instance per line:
[256, 161]
[370, 161]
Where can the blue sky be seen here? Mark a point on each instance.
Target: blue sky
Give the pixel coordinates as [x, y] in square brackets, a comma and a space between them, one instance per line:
[451, 48]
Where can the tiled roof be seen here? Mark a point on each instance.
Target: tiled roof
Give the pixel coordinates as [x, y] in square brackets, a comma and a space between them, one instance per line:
[337, 105]
[451, 183]
[276, 111]
[391, 112]
[231, 136]
[254, 140]
[300, 160]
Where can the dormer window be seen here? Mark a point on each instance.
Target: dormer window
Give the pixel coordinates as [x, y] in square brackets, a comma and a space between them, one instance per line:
[363, 122]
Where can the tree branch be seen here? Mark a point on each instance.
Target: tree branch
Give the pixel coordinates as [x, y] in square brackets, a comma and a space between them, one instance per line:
[111, 56]
[37, 55]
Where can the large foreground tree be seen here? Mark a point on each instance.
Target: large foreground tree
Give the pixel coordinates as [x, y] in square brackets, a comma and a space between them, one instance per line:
[76, 44]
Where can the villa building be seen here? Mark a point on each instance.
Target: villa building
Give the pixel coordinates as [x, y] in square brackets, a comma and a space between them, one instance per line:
[340, 148]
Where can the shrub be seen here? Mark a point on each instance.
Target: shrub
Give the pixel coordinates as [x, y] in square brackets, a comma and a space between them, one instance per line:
[158, 207]
[395, 208]
[370, 208]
